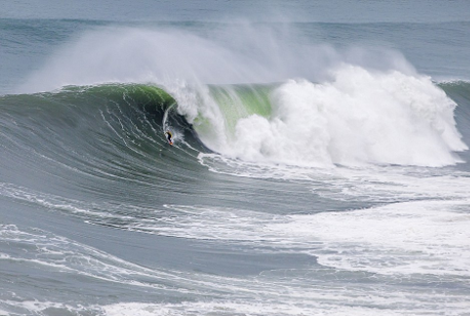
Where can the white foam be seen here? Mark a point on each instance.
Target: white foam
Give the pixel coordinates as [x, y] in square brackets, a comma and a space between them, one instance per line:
[379, 184]
[428, 237]
[360, 117]
[405, 238]
[57, 203]
[402, 238]
[262, 170]
[390, 184]
[422, 236]
[209, 308]
[36, 307]
[50, 252]
[275, 307]
[4, 256]
[213, 223]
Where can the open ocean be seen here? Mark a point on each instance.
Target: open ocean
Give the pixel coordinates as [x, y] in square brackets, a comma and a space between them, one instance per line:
[320, 163]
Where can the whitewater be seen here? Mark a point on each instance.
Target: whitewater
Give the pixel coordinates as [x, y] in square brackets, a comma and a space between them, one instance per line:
[319, 166]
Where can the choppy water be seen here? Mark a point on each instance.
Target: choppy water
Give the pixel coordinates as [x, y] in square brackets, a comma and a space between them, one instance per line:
[320, 164]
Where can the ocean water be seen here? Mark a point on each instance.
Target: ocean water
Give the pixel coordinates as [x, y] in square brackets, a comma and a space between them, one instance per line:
[320, 163]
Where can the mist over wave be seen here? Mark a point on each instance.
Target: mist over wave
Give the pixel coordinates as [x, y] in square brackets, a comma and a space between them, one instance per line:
[322, 105]
[214, 54]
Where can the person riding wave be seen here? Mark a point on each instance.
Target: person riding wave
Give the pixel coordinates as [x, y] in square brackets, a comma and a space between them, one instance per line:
[169, 137]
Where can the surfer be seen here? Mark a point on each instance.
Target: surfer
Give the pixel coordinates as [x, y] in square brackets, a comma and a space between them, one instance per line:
[169, 136]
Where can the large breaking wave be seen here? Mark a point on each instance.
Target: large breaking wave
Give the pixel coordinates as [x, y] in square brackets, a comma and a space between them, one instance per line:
[262, 97]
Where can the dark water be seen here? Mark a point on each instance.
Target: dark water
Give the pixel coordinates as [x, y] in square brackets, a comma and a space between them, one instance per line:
[319, 165]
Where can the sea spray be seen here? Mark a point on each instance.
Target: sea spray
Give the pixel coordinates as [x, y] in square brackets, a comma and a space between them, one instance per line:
[232, 53]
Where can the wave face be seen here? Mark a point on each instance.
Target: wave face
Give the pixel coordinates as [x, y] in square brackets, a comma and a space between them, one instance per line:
[102, 132]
